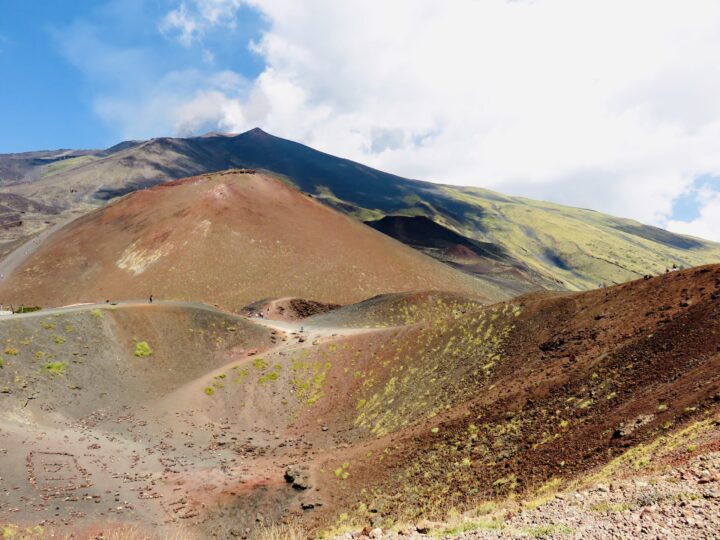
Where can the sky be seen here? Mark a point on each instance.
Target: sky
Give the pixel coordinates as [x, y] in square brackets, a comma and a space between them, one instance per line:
[610, 105]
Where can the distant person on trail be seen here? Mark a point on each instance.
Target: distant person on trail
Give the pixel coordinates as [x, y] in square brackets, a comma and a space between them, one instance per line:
[151, 298]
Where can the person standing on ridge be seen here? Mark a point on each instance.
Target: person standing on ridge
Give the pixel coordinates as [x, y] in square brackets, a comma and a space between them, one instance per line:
[151, 298]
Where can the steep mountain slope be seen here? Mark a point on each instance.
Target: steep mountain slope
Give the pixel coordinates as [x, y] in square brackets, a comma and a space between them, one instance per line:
[230, 239]
[21, 218]
[561, 247]
[28, 166]
[423, 233]
[472, 256]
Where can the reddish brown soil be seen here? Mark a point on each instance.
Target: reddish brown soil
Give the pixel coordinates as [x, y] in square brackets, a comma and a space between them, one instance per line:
[227, 239]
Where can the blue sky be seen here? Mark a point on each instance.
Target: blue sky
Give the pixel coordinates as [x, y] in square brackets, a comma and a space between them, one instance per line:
[42, 102]
[56, 57]
[526, 97]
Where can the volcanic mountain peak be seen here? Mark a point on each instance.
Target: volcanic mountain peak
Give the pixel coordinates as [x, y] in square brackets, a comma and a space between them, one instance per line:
[255, 132]
[541, 244]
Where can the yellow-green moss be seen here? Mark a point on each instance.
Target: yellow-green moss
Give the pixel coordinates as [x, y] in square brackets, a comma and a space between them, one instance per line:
[55, 368]
[143, 350]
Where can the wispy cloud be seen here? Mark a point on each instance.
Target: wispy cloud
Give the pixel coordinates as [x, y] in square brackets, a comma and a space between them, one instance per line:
[183, 24]
[190, 20]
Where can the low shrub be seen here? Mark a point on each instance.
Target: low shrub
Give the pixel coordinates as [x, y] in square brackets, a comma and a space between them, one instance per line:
[143, 350]
[55, 368]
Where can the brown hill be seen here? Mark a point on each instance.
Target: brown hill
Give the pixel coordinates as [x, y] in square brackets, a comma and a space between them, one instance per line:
[226, 238]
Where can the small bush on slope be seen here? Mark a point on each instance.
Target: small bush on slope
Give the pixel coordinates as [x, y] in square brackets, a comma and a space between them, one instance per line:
[143, 350]
[55, 368]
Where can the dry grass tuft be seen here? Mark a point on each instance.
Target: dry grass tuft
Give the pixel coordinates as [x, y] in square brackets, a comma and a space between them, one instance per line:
[282, 531]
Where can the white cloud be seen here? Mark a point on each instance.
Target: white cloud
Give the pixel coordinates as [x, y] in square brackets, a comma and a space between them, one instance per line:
[183, 103]
[707, 224]
[181, 22]
[611, 105]
[189, 24]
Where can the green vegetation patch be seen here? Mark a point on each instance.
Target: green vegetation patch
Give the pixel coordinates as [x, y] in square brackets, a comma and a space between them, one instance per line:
[609, 507]
[64, 165]
[308, 379]
[547, 531]
[269, 377]
[55, 368]
[456, 347]
[15, 531]
[342, 471]
[240, 373]
[27, 309]
[584, 403]
[260, 363]
[209, 390]
[493, 524]
[143, 350]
